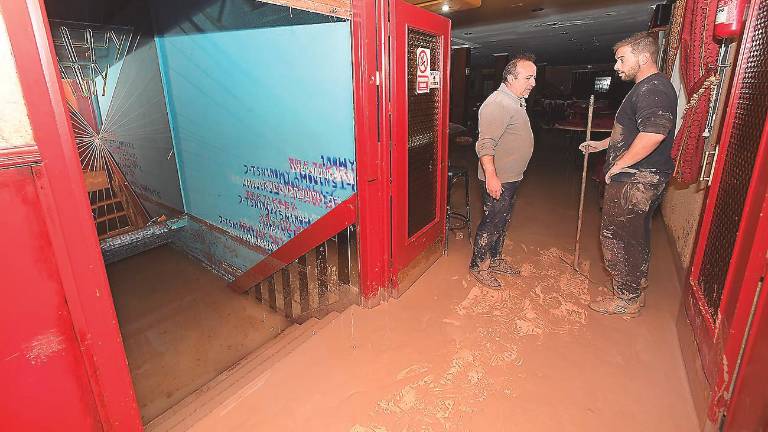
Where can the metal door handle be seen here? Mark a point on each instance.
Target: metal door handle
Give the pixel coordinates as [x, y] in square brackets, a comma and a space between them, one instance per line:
[706, 175]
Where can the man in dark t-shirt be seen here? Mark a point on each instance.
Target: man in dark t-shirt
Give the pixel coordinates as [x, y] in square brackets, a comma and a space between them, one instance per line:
[638, 167]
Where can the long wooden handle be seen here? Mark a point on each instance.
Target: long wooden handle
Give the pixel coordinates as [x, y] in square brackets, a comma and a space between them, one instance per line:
[583, 184]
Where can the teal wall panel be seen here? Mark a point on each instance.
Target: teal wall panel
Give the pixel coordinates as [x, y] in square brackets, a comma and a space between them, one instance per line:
[137, 123]
[262, 124]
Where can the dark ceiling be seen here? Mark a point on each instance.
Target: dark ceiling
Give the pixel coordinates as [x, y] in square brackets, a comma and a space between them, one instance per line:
[558, 32]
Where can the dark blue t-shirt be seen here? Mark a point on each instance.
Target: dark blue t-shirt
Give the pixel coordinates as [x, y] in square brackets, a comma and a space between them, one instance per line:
[651, 106]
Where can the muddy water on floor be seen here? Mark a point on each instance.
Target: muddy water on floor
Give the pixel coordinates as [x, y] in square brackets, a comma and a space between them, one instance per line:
[450, 355]
[181, 325]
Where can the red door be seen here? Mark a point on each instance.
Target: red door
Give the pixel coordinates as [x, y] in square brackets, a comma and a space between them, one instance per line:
[42, 367]
[722, 286]
[62, 362]
[420, 42]
[748, 405]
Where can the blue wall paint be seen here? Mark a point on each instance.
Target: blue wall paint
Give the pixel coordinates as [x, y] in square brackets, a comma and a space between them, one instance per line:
[263, 125]
[220, 253]
[105, 96]
[138, 121]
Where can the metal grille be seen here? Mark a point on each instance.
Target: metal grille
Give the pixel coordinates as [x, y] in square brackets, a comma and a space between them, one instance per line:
[423, 116]
[750, 108]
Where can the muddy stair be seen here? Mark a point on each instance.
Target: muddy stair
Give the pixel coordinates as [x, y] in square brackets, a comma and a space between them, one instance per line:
[323, 280]
[237, 378]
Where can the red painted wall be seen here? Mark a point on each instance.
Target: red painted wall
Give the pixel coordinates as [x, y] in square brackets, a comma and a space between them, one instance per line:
[749, 406]
[62, 362]
[44, 383]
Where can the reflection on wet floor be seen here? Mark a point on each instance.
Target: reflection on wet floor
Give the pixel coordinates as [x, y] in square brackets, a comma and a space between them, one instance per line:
[181, 325]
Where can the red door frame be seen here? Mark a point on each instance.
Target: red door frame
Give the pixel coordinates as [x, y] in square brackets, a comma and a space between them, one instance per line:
[67, 212]
[371, 89]
[748, 398]
[404, 16]
[720, 340]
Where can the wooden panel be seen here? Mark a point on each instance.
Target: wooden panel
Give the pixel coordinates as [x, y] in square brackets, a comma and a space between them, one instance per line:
[339, 8]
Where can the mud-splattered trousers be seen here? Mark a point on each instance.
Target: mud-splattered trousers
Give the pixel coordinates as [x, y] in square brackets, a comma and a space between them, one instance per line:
[625, 233]
[489, 239]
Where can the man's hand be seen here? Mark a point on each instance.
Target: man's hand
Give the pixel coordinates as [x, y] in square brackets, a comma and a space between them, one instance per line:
[615, 170]
[591, 146]
[493, 186]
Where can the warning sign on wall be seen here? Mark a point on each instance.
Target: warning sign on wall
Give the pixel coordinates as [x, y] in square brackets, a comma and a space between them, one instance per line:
[434, 79]
[422, 70]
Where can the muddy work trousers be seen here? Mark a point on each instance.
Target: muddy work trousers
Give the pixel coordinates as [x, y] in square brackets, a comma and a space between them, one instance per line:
[625, 234]
[489, 239]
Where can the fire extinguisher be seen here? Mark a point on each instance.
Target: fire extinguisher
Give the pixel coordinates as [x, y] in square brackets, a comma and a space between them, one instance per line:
[729, 20]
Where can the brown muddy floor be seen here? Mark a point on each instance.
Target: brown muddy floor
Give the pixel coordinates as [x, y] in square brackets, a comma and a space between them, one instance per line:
[450, 355]
[181, 325]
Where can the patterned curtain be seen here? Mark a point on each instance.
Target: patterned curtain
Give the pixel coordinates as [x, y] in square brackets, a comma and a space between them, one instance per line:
[699, 72]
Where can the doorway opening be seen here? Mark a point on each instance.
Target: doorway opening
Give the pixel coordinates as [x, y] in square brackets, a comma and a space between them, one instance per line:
[186, 123]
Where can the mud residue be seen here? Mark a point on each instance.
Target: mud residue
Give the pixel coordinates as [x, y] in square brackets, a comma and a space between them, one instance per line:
[644, 176]
[617, 134]
[547, 298]
[432, 399]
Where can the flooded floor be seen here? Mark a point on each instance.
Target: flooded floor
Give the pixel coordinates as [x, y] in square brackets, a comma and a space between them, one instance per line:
[181, 325]
[450, 355]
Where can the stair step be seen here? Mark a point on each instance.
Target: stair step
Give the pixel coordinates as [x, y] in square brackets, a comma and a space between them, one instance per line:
[200, 403]
[110, 216]
[105, 203]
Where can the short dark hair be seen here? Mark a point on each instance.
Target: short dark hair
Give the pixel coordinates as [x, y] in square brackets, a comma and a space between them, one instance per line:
[511, 68]
[641, 43]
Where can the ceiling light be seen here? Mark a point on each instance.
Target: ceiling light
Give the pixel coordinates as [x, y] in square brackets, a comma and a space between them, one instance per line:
[563, 33]
[446, 8]
[557, 24]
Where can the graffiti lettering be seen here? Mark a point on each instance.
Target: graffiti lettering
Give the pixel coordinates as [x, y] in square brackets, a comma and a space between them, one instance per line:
[338, 173]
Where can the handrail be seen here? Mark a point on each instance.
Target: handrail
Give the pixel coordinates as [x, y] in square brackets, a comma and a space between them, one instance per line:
[340, 217]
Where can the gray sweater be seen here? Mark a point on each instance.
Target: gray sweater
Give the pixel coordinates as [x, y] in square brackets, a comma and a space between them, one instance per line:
[505, 133]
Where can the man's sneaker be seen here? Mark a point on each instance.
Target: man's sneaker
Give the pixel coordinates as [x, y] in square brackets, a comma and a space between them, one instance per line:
[613, 305]
[486, 278]
[500, 265]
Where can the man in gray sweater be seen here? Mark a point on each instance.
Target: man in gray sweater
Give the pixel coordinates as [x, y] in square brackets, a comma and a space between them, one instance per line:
[504, 145]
